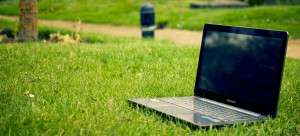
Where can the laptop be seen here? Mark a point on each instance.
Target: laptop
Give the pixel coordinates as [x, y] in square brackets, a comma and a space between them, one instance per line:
[238, 79]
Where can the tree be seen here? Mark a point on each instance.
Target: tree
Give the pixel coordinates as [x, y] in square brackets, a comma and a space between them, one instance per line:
[28, 20]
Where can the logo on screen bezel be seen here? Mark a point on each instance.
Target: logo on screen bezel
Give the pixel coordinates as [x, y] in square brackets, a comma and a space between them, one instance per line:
[231, 101]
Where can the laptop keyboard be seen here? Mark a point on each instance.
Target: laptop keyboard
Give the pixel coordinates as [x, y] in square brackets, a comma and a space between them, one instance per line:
[209, 109]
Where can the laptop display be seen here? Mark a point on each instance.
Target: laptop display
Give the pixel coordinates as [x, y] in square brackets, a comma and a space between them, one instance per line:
[238, 78]
[243, 66]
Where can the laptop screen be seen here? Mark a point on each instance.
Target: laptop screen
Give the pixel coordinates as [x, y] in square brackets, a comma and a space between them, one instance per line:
[241, 67]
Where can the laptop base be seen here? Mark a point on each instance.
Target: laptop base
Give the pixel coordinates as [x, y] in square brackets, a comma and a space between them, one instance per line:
[193, 119]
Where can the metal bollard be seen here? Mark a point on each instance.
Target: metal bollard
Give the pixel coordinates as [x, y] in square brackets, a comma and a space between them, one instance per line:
[147, 21]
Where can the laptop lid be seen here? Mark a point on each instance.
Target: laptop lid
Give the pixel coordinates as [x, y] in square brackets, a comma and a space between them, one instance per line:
[241, 67]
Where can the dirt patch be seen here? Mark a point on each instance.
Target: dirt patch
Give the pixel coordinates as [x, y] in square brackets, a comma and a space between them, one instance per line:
[184, 37]
[293, 49]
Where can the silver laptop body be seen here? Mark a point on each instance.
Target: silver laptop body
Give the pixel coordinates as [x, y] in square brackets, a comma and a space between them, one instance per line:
[238, 79]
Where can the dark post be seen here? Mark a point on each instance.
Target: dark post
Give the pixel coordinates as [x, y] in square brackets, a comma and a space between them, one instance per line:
[147, 21]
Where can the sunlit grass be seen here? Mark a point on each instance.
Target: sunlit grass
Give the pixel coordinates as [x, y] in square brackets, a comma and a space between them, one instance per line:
[73, 89]
[83, 89]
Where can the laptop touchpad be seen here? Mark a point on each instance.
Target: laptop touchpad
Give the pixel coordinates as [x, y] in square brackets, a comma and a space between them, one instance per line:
[173, 110]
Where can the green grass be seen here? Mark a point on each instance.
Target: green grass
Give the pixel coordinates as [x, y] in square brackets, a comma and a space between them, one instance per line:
[7, 24]
[176, 13]
[83, 88]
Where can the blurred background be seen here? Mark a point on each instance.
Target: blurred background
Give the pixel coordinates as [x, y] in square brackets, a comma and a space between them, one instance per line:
[178, 14]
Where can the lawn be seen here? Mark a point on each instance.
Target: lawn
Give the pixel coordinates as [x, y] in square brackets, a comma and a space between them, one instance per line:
[83, 89]
[175, 13]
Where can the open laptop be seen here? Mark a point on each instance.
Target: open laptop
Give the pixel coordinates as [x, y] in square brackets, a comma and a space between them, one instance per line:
[238, 78]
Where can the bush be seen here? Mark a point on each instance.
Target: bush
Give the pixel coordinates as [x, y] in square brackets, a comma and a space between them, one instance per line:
[44, 32]
[255, 2]
[260, 2]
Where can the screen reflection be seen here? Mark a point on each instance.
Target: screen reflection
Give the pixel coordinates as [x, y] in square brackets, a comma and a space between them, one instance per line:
[242, 66]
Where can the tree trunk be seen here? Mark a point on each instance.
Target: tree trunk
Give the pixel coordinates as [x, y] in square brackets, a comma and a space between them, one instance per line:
[28, 20]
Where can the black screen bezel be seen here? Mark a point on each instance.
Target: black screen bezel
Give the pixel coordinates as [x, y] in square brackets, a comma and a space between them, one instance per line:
[264, 110]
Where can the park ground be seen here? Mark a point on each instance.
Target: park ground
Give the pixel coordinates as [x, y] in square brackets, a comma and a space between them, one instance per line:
[182, 37]
[82, 88]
